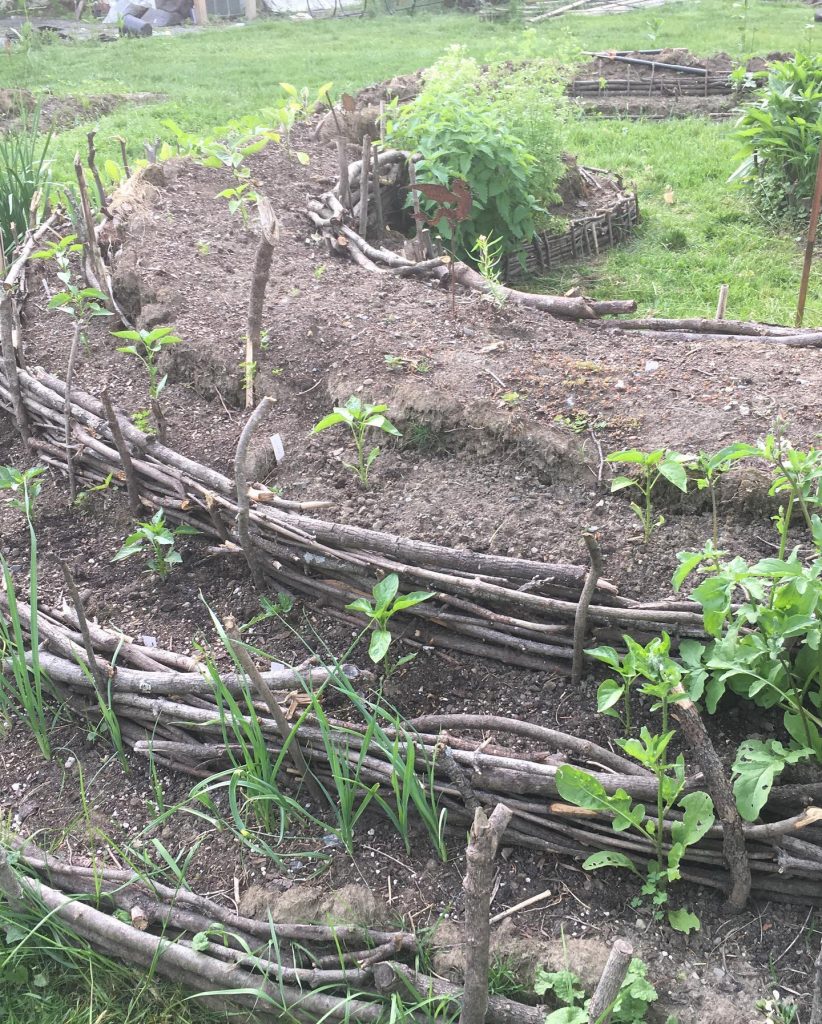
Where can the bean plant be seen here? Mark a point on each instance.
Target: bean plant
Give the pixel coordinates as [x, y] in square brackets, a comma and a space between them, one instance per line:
[360, 419]
[653, 467]
[156, 540]
[384, 607]
[663, 679]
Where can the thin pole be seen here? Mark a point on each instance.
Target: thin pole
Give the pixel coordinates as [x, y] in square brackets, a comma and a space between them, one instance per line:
[812, 227]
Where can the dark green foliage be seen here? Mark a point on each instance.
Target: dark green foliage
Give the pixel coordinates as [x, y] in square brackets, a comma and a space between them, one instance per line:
[24, 172]
[781, 135]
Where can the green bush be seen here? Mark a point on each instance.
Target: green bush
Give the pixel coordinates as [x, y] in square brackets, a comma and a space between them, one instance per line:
[482, 126]
[24, 171]
[781, 135]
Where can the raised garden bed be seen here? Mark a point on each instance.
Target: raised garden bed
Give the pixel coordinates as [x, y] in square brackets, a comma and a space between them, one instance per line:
[506, 414]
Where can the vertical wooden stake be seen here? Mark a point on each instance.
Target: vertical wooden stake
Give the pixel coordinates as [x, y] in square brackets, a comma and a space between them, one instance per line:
[581, 617]
[809, 244]
[375, 177]
[10, 365]
[132, 486]
[92, 163]
[722, 302]
[422, 252]
[250, 10]
[364, 180]
[200, 12]
[269, 233]
[486, 835]
[342, 160]
[241, 481]
[613, 975]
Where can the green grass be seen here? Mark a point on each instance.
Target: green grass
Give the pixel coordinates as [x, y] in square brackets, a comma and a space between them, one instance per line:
[683, 252]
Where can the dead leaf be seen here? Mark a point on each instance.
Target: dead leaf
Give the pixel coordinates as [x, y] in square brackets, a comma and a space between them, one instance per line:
[668, 196]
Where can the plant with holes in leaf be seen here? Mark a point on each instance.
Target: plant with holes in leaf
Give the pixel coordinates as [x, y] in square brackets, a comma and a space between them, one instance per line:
[147, 346]
[380, 611]
[360, 419]
[668, 838]
[156, 539]
[652, 467]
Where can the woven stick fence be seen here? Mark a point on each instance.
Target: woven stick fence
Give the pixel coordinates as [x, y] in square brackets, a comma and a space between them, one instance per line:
[347, 217]
[167, 710]
[272, 970]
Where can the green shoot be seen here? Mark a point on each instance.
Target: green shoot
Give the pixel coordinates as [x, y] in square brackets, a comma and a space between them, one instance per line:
[360, 419]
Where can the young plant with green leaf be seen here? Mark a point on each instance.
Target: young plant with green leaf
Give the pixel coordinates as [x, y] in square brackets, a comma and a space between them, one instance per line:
[488, 252]
[706, 470]
[652, 467]
[380, 611]
[81, 304]
[766, 649]
[360, 419]
[631, 1005]
[242, 198]
[668, 838]
[156, 540]
[147, 346]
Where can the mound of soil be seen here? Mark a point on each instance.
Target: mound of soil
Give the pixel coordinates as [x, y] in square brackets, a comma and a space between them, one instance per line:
[506, 416]
[60, 112]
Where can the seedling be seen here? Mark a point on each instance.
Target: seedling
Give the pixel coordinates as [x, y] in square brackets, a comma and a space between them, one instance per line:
[360, 419]
[147, 348]
[663, 678]
[708, 468]
[81, 304]
[653, 466]
[155, 539]
[629, 1007]
[241, 199]
[386, 604]
[84, 497]
[407, 363]
[487, 251]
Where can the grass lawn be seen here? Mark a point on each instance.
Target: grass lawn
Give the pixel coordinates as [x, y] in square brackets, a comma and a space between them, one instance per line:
[684, 250]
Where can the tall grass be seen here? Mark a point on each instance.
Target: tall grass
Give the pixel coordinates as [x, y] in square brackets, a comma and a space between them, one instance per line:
[24, 175]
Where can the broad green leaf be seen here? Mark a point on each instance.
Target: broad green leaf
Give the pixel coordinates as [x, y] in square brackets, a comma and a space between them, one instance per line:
[756, 765]
[412, 599]
[676, 473]
[384, 591]
[362, 604]
[567, 1015]
[578, 787]
[684, 920]
[607, 655]
[697, 819]
[380, 642]
[200, 941]
[609, 694]
[619, 483]
[327, 421]
[609, 859]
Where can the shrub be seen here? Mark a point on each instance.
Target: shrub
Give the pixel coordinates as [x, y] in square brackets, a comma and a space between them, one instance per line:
[481, 127]
[781, 136]
[24, 172]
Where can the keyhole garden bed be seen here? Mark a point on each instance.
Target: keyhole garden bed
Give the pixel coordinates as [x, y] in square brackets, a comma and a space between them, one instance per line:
[505, 418]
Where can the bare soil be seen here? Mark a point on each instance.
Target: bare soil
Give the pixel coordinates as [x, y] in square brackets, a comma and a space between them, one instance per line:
[506, 415]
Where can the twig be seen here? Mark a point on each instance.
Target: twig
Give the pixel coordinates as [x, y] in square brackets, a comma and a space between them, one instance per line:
[241, 481]
[75, 345]
[486, 835]
[91, 657]
[366, 171]
[455, 773]
[581, 617]
[540, 896]
[10, 365]
[269, 233]
[132, 486]
[92, 154]
[124, 155]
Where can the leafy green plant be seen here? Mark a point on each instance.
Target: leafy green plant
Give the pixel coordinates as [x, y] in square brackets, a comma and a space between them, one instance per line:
[157, 540]
[663, 680]
[360, 419]
[707, 469]
[653, 467]
[25, 177]
[385, 605]
[781, 134]
[629, 668]
[82, 304]
[147, 348]
[241, 198]
[25, 685]
[84, 497]
[635, 996]
[488, 253]
[459, 133]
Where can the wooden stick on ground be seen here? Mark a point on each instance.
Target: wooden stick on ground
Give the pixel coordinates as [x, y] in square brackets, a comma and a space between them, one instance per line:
[581, 617]
[132, 486]
[486, 835]
[269, 233]
[75, 345]
[91, 657]
[607, 990]
[241, 480]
